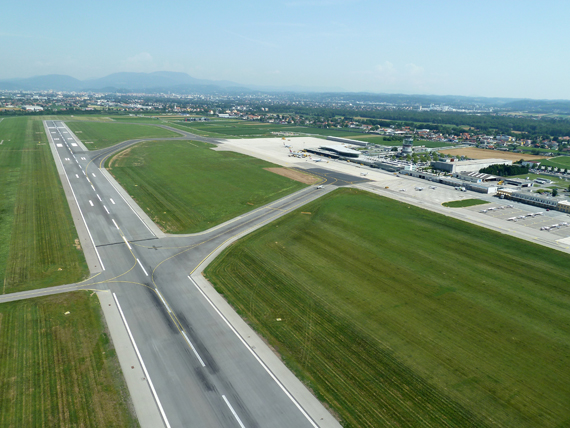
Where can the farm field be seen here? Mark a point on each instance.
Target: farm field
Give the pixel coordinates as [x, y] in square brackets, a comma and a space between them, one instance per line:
[557, 162]
[57, 369]
[474, 153]
[39, 245]
[186, 187]
[397, 316]
[102, 135]
[464, 203]
[244, 129]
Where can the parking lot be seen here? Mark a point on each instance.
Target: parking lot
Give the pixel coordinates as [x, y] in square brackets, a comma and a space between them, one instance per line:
[526, 215]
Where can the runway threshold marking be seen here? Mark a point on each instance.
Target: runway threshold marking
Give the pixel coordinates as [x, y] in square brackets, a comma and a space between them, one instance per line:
[259, 360]
[140, 264]
[158, 403]
[233, 412]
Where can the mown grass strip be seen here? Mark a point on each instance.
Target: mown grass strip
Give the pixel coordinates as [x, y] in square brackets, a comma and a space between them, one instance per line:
[38, 243]
[464, 203]
[396, 316]
[58, 369]
[185, 187]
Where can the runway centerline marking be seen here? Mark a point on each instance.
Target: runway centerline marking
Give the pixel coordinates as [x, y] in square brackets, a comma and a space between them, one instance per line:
[193, 349]
[91, 203]
[233, 412]
[112, 201]
[113, 220]
[99, 197]
[106, 209]
[140, 264]
[127, 242]
[77, 175]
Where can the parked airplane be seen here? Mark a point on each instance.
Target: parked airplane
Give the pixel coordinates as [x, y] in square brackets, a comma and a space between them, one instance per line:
[364, 174]
[316, 159]
[419, 188]
[432, 187]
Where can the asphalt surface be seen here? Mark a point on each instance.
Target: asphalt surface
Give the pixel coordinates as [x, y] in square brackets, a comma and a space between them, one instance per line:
[203, 373]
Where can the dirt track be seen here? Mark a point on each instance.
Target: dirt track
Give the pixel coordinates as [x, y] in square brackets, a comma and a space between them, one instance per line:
[295, 175]
[475, 153]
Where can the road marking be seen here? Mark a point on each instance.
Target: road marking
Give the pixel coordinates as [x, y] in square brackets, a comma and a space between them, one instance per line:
[259, 360]
[77, 175]
[67, 159]
[73, 144]
[106, 209]
[93, 188]
[83, 173]
[193, 349]
[233, 412]
[127, 242]
[82, 158]
[161, 298]
[116, 225]
[112, 201]
[140, 264]
[99, 197]
[91, 203]
[142, 363]
[59, 145]
[93, 174]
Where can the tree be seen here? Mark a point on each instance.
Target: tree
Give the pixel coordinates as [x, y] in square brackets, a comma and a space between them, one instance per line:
[554, 192]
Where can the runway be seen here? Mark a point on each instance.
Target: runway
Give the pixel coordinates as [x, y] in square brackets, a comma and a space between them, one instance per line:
[203, 372]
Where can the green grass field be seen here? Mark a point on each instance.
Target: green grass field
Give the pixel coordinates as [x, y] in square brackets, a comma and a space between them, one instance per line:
[397, 316]
[37, 235]
[59, 370]
[185, 187]
[246, 129]
[558, 162]
[102, 135]
[464, 203]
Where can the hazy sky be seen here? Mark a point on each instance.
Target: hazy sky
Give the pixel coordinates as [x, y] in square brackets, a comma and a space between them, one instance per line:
[498, 48]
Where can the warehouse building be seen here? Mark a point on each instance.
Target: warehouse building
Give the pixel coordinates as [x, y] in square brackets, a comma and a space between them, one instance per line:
[469, 165]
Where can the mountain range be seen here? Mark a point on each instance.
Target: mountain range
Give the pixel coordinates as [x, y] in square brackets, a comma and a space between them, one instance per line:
[157, 82]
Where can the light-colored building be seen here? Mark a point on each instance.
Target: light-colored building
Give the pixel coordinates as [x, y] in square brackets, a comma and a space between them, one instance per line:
[468, 165]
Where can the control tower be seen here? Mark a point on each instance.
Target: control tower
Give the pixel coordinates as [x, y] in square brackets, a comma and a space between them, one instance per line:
[408, 145]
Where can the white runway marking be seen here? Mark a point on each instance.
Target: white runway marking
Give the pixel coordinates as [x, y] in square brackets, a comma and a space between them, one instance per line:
[116, 225]
[56, 139]
[112, 201]
[259, 360]
[140, 264]
[91, 203]
[59, 145]
[99, 197]
[142, 363]
[93, 175]
[74, 145]
[67, 159]
[106, 208]
[93, 188]
[127, 242]
[233, 412]
[83, 158]
[77, 175]
[193, 349]
[161, 298]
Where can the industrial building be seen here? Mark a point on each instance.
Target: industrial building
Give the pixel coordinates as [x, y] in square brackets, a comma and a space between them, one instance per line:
[535, 199]
[457, 183]
[469, 165]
